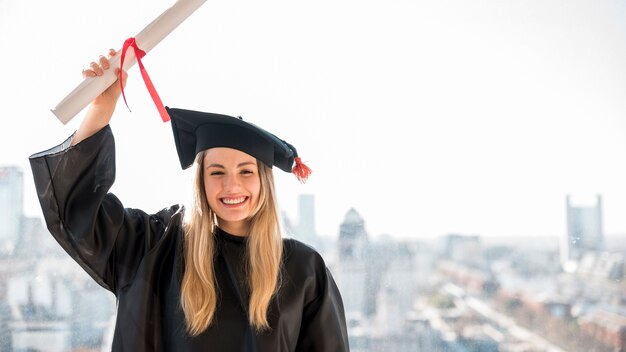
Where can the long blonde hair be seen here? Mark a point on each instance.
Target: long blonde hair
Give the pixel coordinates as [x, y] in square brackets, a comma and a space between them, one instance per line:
[198, 294]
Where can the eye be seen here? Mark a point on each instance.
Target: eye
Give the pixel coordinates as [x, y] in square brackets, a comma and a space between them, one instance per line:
[247, 172]
[216, 173]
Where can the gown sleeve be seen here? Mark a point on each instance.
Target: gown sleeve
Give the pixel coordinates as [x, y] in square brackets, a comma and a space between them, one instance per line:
[323, 322]
[105, 239]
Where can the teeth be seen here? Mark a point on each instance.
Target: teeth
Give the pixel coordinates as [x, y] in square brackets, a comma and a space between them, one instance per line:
[233, 200]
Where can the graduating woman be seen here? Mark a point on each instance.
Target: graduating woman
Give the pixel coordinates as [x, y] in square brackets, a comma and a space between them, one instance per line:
[221, 279]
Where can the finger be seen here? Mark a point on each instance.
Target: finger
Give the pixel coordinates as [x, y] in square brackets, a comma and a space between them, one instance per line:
[88, 72]
[112, 52]
[96, 68]
[104, 62]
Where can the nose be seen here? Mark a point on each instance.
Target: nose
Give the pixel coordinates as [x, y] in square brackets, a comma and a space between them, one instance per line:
[231, 182]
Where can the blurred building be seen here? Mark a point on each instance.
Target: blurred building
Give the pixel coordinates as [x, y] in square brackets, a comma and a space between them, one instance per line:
[352, 269]
[608, 328]
[378, 283]
[53, 305]
[47, 302]
[305, 229]
[464, 249]
[35, 327]
[306, 216]
[11, 200]
[603, 265]
[6, 342]
[398, 288]
[584, 231]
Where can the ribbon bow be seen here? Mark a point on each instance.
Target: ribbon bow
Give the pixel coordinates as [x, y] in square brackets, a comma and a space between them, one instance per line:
[139, 54]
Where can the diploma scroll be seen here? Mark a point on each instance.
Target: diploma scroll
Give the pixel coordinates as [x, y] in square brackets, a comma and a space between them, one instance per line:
[146, 39]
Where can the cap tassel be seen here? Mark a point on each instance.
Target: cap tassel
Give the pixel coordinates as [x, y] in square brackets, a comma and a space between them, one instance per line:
[301, 171]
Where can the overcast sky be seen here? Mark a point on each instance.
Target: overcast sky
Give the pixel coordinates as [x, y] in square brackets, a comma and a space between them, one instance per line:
[427, 117]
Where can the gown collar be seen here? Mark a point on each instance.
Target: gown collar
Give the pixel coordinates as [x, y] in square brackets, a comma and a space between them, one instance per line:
[221, 234]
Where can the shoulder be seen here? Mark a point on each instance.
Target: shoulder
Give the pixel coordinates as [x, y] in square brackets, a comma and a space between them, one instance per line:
[170, 214]
[171, 219]
[165, 221]
[302, 261]
[305, 271]
[294, 249]
[165, 216]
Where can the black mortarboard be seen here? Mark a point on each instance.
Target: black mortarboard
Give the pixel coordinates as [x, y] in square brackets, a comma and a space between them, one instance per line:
[195, 131]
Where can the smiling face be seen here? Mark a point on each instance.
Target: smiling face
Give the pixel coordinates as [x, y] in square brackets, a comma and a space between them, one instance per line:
[232, 186]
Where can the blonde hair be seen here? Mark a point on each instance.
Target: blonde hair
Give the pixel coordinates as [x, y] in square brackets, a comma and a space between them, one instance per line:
[198, 294]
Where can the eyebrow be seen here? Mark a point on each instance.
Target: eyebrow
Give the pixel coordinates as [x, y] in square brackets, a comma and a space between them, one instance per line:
[245, 163]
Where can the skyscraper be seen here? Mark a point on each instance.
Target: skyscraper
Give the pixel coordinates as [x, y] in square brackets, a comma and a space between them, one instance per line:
[306, 218]
[584, 230]
[11, 199]
[303, 228]
[352, 275]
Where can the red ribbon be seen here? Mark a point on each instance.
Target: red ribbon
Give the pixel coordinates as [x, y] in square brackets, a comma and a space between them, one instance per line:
[130, 42]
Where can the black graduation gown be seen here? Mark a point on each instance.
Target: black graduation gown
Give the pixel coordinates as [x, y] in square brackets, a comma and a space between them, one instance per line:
[138, 257]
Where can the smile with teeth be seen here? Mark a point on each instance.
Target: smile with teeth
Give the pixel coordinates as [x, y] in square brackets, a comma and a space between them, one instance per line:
[234, 201]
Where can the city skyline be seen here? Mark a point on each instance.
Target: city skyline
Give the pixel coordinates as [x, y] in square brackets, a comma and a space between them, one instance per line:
[461, 293]
[293, 214]
[302, 223]
[427, 117]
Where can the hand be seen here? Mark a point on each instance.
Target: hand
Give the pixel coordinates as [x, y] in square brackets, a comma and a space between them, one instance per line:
[102, 108]
[109, 97]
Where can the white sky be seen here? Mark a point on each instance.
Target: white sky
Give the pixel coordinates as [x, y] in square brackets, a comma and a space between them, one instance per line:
[428, 117]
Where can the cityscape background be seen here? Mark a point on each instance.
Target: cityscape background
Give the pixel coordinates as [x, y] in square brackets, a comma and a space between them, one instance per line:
[454, 293]
[469, 179]
[428, 116]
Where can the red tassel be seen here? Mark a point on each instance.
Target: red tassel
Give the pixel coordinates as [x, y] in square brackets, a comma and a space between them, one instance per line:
[301, 171]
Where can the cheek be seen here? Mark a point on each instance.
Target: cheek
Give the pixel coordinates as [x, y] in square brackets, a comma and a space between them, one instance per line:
[254, 187]
[210, 189]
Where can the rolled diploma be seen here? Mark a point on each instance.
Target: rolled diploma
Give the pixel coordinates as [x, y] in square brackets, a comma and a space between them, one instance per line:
[147, 39]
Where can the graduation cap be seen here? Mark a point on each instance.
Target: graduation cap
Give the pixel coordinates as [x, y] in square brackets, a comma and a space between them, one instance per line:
[195, 131]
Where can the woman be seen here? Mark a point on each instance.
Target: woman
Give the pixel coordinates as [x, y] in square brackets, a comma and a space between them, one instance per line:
[224, 280]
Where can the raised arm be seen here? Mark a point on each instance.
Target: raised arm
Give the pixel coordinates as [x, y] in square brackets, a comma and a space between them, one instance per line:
[92, 225]
[101, 109]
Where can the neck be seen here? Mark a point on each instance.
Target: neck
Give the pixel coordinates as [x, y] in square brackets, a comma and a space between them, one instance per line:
[239, 228]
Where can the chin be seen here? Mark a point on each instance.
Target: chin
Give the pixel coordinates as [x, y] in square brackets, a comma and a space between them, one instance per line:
[233, 217]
